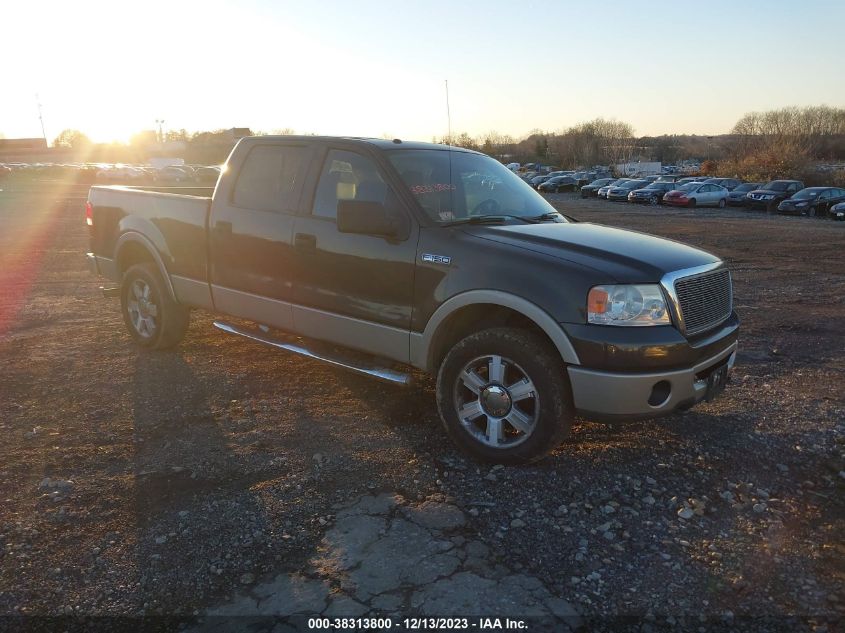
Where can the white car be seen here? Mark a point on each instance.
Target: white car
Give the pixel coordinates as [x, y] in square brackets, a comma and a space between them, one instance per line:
[697, 194]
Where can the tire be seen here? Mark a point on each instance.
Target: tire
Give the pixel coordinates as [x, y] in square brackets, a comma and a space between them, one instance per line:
[532, 372]
[772, 206]
[691, 203]
[811, 212]
[722, 203]
[152, 317]
[653, 201]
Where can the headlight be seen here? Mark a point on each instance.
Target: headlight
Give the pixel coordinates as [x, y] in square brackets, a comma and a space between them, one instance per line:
[767, 196]
[636, 305]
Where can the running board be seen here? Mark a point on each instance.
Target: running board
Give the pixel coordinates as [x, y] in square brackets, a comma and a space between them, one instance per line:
[381, 373]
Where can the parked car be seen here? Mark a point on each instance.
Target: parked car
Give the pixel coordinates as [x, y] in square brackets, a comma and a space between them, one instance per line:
[736, 197]
[697, 194]
[813, 201]
[558, 184]
[379, 260]
[620, 192]
[536, 181]
[602, 192]
[688, 179]
[652, 193]
[837, 211]
[667, 178]
[770, 195]
[591, 190]
[206, 174]
[728, 183]
[173, 174]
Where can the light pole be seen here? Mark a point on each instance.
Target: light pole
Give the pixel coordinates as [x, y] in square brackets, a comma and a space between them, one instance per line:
[160, 123]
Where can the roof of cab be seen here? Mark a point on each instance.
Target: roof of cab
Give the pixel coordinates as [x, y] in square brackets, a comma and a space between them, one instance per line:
[384, 144]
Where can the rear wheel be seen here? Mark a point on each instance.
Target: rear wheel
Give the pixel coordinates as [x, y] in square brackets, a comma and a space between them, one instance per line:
[151, 315]
[722, 203]
[503, 396]
[691, 203]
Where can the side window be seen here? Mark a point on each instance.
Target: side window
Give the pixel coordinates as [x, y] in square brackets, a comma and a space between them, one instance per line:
[707, 189]
[825, 195]
[792, 188]
[347, 176]
[269, 178]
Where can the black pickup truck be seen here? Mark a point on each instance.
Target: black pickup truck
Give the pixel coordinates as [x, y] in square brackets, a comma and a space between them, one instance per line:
[380, 256]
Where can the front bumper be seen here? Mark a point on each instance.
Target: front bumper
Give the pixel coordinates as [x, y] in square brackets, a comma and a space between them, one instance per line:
[609, 395]
[620, 367]
[751, 203]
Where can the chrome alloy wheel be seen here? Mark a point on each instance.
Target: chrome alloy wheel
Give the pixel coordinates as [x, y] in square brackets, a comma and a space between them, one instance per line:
[142, 309]
[496, 401]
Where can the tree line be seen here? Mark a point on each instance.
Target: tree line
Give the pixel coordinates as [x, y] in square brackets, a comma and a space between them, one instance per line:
[760, 143]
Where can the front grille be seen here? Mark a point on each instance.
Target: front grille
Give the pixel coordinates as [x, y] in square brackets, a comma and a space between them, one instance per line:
[704, 300]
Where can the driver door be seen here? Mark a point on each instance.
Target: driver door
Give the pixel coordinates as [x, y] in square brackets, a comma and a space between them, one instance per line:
[351, 289]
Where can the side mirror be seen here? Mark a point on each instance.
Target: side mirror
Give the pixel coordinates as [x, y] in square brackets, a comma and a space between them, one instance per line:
[367, 218]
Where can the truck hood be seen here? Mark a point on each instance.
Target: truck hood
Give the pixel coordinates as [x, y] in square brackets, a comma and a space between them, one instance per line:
[620, 255]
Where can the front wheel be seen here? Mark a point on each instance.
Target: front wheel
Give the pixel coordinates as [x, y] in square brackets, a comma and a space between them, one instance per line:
[504, 396]
[691, 203]
[653, 201]
[151, 315]
[722, 203]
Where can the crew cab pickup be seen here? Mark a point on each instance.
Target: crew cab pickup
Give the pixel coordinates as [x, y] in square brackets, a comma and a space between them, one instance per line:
[382, 256]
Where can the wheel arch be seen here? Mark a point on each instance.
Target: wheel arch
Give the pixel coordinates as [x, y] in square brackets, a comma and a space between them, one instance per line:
[134, 248]
[478, 309]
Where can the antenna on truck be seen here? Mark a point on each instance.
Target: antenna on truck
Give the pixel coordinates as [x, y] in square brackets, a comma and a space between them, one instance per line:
[449, 145]
[448, 115]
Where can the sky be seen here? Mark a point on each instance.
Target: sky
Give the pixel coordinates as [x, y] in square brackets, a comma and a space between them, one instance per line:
[377, 68]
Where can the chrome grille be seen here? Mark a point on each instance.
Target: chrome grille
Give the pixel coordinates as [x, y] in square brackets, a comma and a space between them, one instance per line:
[704, 300]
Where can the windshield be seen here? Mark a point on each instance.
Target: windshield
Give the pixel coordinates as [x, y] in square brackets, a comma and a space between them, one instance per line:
[634, 184]
[806, 194]
[453, 185]
[690, 186]
[751, 186]
[776, 185]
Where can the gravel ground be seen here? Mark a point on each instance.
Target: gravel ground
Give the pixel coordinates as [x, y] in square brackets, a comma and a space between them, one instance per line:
[170, 483]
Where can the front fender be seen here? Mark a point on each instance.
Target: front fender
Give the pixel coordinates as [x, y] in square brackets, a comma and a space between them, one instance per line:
[422, 344]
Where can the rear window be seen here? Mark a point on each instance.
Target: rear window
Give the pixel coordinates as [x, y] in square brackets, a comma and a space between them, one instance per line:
[269, 178]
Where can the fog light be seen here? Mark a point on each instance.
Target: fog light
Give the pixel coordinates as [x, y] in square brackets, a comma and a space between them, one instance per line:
[660, 393]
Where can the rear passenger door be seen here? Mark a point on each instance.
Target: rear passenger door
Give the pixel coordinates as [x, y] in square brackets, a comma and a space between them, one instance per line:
[251, 232]
[351, 289]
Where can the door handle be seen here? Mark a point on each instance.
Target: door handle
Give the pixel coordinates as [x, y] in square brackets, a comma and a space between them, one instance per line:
[305, 240]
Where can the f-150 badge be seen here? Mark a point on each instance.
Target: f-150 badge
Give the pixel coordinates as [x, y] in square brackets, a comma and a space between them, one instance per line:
[436, 259]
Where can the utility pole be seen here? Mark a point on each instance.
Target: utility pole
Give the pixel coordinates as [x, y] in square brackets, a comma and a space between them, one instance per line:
[41, 118]
[160, 123]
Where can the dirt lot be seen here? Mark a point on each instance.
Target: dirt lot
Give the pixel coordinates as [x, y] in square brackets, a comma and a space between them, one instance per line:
[169, 483]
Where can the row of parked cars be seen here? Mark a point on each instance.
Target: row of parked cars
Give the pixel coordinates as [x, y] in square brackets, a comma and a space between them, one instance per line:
[559, 181]
[113, 173]
[781, 196]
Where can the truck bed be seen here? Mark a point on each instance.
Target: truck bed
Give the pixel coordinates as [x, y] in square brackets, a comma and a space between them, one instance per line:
[175, 223]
